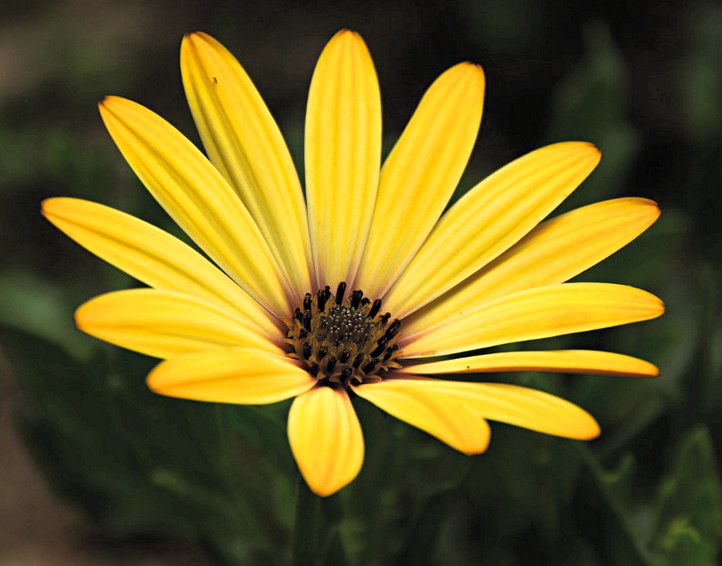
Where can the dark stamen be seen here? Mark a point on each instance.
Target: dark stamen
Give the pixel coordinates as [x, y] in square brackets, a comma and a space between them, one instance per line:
[369, 367]
[390, 351]
[340, 292]
[393, 330]
[323, 296]
[356, 298]
[375, 308]
[307, 350]
[330, 365]
[307, 301]
[382, 343]
[344, 357]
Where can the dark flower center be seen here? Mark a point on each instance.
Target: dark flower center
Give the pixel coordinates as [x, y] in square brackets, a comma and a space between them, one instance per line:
[343, 339]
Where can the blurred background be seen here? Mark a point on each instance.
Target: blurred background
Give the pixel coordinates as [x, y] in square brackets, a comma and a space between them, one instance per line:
[94, 469]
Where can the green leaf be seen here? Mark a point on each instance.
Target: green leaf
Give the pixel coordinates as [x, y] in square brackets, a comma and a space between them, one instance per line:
[682, 544]
[691, 496]
[32, 305]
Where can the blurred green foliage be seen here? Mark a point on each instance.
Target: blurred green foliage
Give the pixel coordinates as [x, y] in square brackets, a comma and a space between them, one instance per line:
[645, 86]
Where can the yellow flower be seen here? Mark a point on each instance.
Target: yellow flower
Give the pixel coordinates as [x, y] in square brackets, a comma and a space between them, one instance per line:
[343, 294]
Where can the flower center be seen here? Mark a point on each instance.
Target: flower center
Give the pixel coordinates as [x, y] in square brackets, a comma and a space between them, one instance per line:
[343, 339]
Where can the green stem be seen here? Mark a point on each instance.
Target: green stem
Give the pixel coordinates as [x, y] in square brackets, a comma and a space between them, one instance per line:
[305, 535]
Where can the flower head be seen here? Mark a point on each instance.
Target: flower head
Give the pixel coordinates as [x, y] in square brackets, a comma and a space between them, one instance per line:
[356, 289]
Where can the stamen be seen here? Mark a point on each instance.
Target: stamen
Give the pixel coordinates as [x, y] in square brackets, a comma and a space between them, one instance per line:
[340, 291]
[393, 330]
[368, 368]
[323, 296]
[375, 308]
[382, 342]
[356, 298]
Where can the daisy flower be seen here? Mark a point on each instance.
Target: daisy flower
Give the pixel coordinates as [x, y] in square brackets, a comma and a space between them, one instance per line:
[352, 293]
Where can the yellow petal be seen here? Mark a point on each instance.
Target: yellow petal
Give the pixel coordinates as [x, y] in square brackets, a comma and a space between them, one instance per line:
[552, 253]
[246, 146]
[165, 324]
[421, 173]
[566, 361]
[198, 198]
[326, 439]
[445, 417]
[511, 404]
[343, 156]
[489, 219]
[532, 314]
[231, 375]
[153, 256]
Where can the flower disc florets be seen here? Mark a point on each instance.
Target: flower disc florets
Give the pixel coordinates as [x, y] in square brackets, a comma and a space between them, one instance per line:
[341, 339]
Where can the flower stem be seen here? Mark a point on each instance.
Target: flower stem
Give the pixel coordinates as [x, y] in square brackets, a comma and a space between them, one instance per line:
[305, 535]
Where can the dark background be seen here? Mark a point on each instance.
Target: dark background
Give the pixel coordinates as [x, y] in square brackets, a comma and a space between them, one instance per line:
[141, 479]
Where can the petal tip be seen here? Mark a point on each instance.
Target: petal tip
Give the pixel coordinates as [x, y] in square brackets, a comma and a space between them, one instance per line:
[587, 428]
[650, 207]
[109, 104]
[48, 205]
[151, 380]
[323, 490]
[194, 38]
[346, 37]
[594, 431]
[477, 450]
[470, 75]
[594, 153]
[80, 317]
[471, 68]
[345, 33]
[574, 146]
